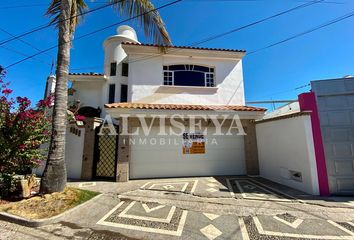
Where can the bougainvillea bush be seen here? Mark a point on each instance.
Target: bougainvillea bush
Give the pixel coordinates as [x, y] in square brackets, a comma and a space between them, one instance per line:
[23, 129]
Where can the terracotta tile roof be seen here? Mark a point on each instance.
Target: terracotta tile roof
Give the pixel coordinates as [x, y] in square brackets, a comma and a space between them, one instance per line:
[86, 74]
[153, 106]
[185, 47]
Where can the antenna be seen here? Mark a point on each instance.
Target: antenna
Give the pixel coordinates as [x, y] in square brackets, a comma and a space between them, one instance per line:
[51, 68]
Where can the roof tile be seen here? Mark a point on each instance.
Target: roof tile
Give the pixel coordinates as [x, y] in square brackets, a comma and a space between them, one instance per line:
[185, 47]
[155, 106]
[87, 74]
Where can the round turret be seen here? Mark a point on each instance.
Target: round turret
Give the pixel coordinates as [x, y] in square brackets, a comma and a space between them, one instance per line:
[114, 53]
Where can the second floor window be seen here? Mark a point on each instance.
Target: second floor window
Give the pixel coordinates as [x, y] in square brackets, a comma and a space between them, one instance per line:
[113, 70]
[111, 93]
[123, 93]
[188, 75]
[125, 69]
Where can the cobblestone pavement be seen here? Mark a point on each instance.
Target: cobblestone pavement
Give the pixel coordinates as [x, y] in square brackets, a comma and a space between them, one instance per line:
[198, 208]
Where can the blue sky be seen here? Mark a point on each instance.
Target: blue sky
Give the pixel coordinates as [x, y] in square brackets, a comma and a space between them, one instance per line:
[270, 74]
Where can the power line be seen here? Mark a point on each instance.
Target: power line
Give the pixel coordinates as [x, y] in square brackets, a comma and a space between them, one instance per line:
[330, 2]
[36, 5]
[96, 31]
[23, 41]
[22, 6]
[39, 28]
[23, 54]
[346, 16]
[286, 91]
[224, 33]
[236, 29]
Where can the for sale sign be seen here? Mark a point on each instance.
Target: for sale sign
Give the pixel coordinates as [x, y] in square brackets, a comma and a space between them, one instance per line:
[193, 143]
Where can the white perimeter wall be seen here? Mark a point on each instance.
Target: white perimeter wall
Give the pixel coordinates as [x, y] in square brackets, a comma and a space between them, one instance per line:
[74, 148]
[287, 145]
[146, 82]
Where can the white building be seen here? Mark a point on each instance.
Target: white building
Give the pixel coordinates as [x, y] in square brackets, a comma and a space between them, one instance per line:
[141, 79]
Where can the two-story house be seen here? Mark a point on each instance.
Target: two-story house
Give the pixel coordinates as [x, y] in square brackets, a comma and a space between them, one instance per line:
[175, 100]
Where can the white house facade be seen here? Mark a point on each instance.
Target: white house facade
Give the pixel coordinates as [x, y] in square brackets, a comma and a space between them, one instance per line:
[196, 91]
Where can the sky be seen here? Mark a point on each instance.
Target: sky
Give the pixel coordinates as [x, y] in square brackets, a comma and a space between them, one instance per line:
[270, 74]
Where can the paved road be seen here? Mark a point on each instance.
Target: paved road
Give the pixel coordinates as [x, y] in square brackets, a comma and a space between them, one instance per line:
[198, 208]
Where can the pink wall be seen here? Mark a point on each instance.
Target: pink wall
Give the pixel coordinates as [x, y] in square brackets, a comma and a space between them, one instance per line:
[307, 102]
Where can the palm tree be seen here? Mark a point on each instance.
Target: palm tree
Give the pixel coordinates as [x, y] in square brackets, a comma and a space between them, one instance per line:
[66, 14]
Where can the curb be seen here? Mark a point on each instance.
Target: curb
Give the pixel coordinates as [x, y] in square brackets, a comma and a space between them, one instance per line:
[40, 222]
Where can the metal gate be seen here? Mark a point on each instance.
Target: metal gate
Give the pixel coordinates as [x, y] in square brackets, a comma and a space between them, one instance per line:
[105, 155]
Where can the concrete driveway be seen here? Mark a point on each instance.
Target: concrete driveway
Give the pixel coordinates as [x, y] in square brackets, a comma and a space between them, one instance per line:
[199, 208]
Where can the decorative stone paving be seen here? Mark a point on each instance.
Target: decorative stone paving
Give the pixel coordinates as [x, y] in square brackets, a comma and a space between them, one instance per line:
[166, 221]
[146, 217]
[186, 186]
[211, 232]
[266, 227]
[287, 217]
[170, 221]
[249, 189]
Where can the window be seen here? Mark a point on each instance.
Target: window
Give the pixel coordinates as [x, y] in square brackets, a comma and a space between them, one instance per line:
[188, 75]
[113, 70]
[167, 78]
[111, 93]
[125, 69]
[123, 93]
[209, 79]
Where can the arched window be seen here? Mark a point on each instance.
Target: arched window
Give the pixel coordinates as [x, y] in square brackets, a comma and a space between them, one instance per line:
[188, 75]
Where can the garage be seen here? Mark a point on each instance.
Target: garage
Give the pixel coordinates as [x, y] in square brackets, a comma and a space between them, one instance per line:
[162, 156]
[171, 140]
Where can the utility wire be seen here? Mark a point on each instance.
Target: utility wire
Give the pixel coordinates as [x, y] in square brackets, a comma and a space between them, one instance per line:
[286, 91]
[224, 33]
[236, 29]
[22, 6]
[39, 28]
[346, 16]
[23, 54]
[23, 41]
[94, 32]
[99, 2]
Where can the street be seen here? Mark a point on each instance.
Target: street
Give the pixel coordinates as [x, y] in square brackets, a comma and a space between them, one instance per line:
[198, 208]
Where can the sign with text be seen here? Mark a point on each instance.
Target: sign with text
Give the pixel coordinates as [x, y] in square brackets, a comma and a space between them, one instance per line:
[193, 143]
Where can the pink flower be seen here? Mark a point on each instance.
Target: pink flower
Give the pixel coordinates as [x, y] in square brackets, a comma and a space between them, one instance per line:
[7, 91]
[47, 102]
[22, 146]
[80, 118]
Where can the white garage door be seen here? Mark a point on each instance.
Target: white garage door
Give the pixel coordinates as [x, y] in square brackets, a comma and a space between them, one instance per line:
[224, 156]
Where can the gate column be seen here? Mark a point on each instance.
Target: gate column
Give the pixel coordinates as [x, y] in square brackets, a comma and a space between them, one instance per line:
[89, 144]
[123, 156]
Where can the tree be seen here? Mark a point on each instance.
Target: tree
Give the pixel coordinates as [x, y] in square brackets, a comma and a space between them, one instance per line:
[66, 15]
[23, 129]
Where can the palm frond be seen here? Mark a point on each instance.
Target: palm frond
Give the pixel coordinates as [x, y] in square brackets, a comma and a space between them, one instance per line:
[146, 17]
[77, 8]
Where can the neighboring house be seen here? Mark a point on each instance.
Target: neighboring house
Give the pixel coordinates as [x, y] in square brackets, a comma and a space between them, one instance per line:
[333, 143]
[140, 79]
[335, 100]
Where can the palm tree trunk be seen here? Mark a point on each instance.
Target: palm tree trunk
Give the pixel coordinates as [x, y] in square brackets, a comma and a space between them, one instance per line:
[54, 175]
